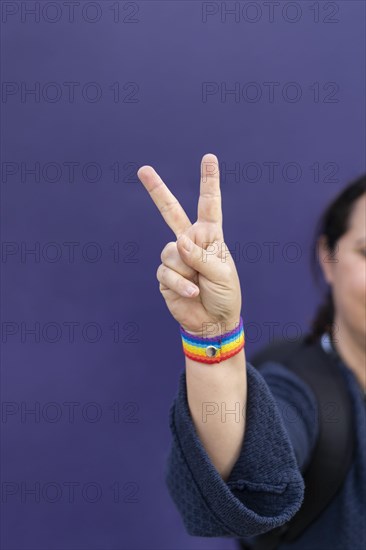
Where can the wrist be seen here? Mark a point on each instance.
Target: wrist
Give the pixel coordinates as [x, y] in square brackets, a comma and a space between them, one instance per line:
[216, 345]
[211, 330]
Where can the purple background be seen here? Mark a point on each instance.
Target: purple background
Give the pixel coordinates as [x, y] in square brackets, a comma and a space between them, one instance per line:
[167, 52]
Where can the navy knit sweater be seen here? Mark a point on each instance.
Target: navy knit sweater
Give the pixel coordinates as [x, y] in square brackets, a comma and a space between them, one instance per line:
[265, 487]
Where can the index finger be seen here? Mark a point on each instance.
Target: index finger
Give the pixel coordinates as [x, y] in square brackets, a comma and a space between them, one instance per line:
[168, 205]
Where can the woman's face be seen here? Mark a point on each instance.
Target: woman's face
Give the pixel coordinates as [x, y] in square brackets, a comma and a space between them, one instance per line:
[345, 271]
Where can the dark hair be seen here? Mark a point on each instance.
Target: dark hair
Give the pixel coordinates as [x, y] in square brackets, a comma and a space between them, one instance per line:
[333, 224]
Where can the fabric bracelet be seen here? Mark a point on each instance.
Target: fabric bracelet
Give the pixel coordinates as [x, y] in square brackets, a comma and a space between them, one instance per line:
[215, 349]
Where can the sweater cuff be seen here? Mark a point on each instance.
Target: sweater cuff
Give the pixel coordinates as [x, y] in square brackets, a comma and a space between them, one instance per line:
[265, 488]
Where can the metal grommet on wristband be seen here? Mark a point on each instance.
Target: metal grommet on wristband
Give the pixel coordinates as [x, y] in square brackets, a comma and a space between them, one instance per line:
[215, 349]
[211, 351]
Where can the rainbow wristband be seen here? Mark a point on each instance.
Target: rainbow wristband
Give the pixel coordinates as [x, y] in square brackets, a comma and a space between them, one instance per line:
[215, 349]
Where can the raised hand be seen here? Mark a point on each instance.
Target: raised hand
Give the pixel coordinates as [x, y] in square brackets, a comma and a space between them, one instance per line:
[199, 258]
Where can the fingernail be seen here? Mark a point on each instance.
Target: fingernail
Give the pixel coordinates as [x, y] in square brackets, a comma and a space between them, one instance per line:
[190, 290]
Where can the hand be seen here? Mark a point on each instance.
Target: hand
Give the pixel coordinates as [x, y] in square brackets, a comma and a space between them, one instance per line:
[206, 263]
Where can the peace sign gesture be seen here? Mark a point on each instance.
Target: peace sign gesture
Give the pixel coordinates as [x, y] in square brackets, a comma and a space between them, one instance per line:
[198, 258]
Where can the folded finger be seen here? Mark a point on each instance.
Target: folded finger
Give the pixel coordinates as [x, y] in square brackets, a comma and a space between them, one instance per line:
[171, 258]
[174, 281]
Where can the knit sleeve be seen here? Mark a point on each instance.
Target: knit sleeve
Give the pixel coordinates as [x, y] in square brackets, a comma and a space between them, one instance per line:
[265, 487]
[298, 408]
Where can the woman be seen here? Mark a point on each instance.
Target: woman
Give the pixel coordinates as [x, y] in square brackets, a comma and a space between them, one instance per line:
[236, 462]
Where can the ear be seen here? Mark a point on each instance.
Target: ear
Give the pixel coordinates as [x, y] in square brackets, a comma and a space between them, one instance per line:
[326, 259]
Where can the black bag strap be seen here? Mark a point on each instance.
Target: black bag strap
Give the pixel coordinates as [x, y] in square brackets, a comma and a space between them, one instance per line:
[333, 452]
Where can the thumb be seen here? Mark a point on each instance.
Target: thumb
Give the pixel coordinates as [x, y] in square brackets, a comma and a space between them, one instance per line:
[204, 261]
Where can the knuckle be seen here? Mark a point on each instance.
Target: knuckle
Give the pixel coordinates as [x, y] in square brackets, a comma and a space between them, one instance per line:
[159, 272]
[168, 250]
[168, 206]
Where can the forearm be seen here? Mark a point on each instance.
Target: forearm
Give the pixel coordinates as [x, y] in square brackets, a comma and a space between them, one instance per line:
[217, 401]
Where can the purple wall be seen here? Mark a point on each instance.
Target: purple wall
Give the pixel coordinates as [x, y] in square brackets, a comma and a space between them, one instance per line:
[148, 85]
